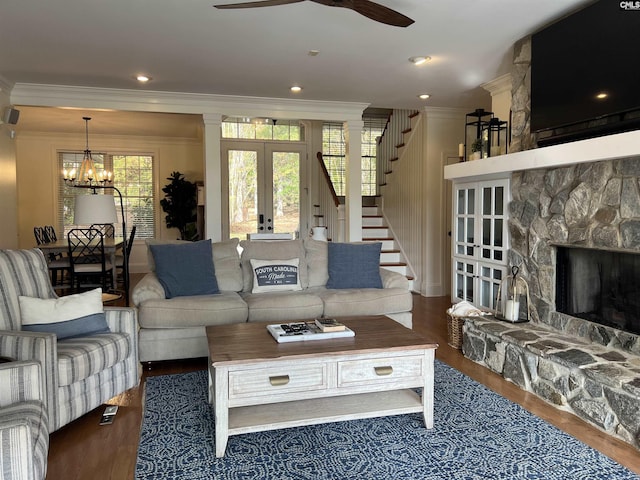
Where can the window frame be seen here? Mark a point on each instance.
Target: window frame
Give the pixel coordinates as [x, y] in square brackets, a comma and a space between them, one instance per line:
[107, 160]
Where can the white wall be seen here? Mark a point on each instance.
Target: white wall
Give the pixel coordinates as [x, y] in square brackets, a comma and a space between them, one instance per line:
[8, 187]
[414, 199]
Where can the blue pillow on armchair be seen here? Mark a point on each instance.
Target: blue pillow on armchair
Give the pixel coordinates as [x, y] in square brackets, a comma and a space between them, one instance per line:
[185, 269]
[354, 265]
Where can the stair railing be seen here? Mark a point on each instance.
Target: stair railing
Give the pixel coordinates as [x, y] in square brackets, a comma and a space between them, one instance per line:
[329, 205]
[392, 137]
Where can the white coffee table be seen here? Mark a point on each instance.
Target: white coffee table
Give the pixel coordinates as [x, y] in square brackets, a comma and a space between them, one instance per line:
[257, 384]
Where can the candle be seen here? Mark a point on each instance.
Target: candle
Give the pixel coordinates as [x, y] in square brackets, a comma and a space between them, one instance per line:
[512, 312]
[461, 150]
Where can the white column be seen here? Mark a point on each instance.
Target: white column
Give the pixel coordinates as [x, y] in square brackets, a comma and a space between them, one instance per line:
[212, 177]
[353, 180]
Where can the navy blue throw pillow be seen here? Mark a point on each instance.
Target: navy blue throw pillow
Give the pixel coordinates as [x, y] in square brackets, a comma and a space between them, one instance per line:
[354, 265]
[185, 269]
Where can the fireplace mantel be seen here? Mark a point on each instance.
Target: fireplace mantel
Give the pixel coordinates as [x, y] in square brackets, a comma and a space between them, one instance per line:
[620, 145]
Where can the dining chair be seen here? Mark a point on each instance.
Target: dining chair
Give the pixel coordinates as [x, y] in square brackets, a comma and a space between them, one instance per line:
[107, 229]
[128, 247]
[89, 265]
[41, 237]
[58, 264]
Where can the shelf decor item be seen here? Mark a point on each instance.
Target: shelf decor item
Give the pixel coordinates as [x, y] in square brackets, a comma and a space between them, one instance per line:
[512, 300]
[475, 123]
[495, 137]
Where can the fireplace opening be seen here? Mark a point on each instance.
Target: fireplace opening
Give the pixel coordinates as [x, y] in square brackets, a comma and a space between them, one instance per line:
[601, 286]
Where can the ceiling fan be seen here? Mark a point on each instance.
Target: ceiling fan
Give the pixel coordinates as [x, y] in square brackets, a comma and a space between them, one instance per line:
[369, 9]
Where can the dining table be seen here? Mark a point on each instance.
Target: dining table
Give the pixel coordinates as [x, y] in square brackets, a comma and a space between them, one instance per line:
[111, 246]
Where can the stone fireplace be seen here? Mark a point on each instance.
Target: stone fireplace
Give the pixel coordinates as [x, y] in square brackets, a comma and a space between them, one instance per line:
[578, 195]
[592, 205]
[591, 369]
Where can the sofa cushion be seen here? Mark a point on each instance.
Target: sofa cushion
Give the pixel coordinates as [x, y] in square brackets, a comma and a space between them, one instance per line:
[317, 256]
[226, 261]
[275, 275]
[354, 265]
[283, 306]
[365, 301]
[185, 269]
[196, 311]
[271, 250]
[77, 315]
[80, 358]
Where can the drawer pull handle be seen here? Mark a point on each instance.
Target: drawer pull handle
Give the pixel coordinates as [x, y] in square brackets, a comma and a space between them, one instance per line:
[382, 371]
[279, 380]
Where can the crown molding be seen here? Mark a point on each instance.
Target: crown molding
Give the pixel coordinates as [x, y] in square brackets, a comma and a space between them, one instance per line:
[498, 85]
[176, 102]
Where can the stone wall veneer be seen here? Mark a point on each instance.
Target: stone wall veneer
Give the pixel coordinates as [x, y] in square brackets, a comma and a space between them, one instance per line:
[592, 205]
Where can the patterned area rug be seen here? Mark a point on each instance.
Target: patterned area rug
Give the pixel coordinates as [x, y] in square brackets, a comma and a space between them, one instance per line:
[478, 435]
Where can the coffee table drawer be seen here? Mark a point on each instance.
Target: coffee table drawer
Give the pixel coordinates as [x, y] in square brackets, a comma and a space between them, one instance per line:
[380, 370]
[277, 380]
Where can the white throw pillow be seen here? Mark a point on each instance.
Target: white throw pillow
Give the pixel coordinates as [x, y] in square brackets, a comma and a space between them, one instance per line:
[81, 314]
[275, 275]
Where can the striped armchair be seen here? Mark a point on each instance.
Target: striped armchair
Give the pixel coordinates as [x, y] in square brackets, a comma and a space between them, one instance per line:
[24, 425]
[79, 374]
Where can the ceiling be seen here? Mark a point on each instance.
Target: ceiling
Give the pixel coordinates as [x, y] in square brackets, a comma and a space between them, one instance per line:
[188, 46]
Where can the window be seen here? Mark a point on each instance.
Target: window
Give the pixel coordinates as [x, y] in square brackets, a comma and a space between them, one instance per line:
[333, 152]
[263, 129]
[133, 177]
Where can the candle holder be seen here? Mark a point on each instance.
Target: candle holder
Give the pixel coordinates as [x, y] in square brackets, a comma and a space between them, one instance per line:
[512, 300]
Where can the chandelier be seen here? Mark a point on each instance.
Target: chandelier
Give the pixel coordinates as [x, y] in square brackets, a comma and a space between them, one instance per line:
[87, 175]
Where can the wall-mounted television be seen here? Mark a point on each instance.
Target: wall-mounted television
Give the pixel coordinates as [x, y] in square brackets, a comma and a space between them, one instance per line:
[578, 59]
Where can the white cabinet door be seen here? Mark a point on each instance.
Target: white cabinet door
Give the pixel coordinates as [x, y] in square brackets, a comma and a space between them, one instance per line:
[480, 240]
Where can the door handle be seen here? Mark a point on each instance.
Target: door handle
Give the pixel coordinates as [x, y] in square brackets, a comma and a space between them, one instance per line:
[261, 218]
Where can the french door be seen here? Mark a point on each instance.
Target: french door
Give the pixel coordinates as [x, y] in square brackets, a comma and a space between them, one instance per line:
[264, 185]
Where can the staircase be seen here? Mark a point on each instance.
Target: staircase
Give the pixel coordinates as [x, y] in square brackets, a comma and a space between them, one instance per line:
[375, 230]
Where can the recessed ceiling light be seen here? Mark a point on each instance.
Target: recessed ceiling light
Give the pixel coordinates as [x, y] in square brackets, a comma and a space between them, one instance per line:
[424, 96]
[313, 53]
[602, 95]
[296, 89]
[143, 78]
[421, 60]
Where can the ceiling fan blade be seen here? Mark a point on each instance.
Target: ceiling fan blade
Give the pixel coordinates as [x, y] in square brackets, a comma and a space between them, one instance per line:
[380, 13]
[262, 3]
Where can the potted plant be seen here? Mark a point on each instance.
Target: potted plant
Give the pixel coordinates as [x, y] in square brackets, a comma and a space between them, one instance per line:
[476, 149]
[180, 205]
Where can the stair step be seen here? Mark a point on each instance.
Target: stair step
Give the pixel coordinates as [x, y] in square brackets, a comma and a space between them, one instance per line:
[401, 269]
[373, 221]
[370, 210]
[375, 232]
[390, 257]
[406, 130]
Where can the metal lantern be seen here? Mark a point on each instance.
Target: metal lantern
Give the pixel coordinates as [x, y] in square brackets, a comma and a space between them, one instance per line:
[475, 123]
[494, 135]
[512, 301]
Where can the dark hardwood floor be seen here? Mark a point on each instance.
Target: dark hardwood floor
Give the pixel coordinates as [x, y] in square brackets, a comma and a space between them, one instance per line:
[84, 450]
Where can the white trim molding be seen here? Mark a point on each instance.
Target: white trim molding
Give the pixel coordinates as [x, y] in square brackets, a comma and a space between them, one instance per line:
[176, 102]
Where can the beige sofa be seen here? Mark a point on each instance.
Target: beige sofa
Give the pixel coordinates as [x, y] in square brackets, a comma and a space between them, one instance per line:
[175, 328]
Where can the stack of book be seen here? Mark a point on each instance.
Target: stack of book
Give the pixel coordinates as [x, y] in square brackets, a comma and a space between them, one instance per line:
[329, 325]
[319, 329]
